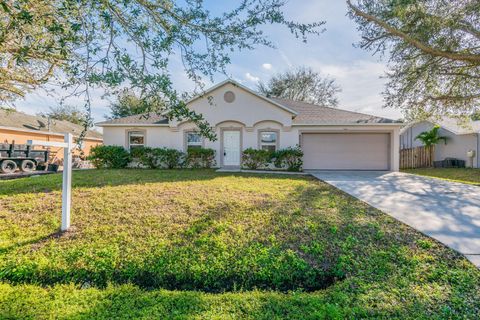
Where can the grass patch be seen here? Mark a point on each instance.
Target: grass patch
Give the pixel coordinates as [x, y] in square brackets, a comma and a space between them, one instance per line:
[463, 175]
[200, 244]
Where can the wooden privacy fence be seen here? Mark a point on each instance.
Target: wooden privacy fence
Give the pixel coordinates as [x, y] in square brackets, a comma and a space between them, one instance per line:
[419, 157]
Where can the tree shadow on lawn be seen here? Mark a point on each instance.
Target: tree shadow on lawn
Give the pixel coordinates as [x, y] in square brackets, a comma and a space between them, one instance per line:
[205, 255]
[355, 240]
[99, 178]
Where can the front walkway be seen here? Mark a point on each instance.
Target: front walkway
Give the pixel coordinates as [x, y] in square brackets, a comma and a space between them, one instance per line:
[446, 211]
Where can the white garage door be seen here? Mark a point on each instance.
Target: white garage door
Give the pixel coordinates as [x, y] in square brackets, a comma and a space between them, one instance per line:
[340, 151]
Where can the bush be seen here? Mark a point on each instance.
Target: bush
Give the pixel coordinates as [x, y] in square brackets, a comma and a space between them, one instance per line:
[170, 158]
[114, 157]
[145, 156]
[254, 159]
[154, 158]
[289, 158]
[200, 158]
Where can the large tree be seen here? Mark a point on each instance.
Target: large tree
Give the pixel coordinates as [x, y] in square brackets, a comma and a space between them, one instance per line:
[302, 84]
[434, 51]
[129, 104]
[66, 112]
[118, 43]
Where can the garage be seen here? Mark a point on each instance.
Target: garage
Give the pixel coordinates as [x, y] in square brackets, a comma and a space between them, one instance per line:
[346, 151]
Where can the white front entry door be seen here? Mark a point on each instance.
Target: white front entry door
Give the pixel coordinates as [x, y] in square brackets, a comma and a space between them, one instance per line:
[231, 148]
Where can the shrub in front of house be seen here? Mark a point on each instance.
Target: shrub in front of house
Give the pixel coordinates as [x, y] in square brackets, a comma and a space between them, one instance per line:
[144, 157]
[255, 158]
[155, 158]
[170, 158]
[200, 158]
[290, 159]
[113, 157]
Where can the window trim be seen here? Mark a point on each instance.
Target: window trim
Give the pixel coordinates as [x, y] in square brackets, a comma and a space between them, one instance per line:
[127, 137]
[185, 139]
[277, 142]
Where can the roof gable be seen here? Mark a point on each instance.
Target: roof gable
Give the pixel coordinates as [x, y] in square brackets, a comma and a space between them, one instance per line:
[235, 83]
[297, 112]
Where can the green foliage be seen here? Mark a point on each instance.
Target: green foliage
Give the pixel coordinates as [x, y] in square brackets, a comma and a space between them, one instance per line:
[113, 157]
[129, 104]
[200, 158]
[430, 138]
[433, 49]
[475, 116]
[302, 84]
[145, 156]
[290, 158]
[170, 158]
[152, 158]
[255, 158]
[69, 113]
[86, 41]
[275, 242]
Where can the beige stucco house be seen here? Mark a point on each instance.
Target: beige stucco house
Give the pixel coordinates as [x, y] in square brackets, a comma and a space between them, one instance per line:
[331, 139]
[462, 137]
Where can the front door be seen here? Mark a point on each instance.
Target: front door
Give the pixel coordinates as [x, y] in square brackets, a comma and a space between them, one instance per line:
[231, 148]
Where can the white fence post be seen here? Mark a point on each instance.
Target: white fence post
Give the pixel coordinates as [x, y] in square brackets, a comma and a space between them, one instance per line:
[67, 182]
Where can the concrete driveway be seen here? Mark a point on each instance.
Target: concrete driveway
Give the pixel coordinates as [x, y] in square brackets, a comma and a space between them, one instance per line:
[446, 211]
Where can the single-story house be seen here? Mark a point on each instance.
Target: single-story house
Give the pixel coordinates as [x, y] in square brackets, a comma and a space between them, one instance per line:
[18, 127]
[461, 138]
[331, 138]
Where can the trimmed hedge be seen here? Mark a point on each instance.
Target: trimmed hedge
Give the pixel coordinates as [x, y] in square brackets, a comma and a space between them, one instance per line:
[112, 157]
[158, 158]
[254, 159]
[289, 159]
[117, 157]
[200, 158]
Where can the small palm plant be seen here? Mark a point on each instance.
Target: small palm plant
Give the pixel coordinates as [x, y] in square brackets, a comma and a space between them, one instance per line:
[430, 138]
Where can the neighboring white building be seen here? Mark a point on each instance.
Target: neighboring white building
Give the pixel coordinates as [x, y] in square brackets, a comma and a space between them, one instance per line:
[461, 138]
[331, 139]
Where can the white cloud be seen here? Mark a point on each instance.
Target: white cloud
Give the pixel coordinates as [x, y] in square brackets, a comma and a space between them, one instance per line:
[267, 66]
[251, 77]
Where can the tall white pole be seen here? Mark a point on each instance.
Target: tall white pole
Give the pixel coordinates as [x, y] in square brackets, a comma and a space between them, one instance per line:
[67, 182]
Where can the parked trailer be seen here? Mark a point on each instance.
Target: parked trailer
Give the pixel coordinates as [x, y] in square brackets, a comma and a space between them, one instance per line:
[22, 159]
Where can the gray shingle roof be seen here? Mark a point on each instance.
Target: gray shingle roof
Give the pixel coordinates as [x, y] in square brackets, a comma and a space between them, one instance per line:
[20, 120]
[307, 114]
[314, 114]
[146, 118]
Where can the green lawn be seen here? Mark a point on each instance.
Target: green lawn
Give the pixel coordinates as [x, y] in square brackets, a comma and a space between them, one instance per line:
[463, 175]
[203, 245]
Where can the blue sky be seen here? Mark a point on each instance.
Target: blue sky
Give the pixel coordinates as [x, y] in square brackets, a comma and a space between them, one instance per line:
[332, 53]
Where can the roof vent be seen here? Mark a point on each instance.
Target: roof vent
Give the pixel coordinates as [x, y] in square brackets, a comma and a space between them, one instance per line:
[229, 97]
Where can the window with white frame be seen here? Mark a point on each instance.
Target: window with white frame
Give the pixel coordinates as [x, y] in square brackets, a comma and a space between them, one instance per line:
[136, 139]
[194, 140]
[268, 140]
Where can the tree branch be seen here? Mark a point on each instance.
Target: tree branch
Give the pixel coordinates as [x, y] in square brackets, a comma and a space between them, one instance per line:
[412, 41]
